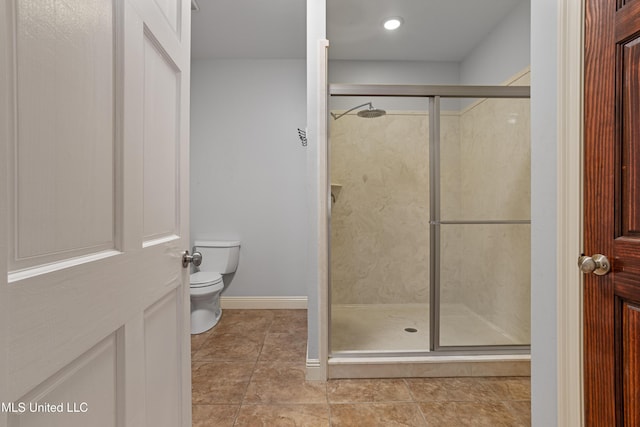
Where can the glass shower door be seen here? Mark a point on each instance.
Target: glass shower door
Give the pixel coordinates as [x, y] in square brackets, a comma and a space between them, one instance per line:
[430, 224]
[484, 224]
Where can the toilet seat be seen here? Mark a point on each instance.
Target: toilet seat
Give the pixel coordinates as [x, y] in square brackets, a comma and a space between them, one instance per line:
[202, 279]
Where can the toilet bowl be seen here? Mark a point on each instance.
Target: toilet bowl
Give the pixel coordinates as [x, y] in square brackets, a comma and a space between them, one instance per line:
[218, 258]
[205, 300]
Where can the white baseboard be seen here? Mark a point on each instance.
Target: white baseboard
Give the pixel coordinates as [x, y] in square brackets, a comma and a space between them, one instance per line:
[314, 371]
[263, 302]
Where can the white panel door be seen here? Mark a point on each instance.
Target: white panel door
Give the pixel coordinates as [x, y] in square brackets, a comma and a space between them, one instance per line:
[94, 301]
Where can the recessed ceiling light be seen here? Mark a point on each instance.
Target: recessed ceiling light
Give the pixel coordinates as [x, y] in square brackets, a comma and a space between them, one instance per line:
[392, 23]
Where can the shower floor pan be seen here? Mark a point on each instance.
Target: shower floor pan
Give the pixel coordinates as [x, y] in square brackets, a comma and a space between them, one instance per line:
[405, 327]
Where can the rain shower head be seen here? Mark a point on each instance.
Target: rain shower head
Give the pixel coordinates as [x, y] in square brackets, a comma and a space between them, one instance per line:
[369, 113]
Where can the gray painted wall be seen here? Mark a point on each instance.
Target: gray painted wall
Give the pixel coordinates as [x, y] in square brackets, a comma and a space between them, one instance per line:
[248, 169]
[503, 52]
[544, 40]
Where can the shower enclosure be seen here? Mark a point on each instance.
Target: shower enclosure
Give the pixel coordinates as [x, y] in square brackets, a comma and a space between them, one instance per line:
[429, 223]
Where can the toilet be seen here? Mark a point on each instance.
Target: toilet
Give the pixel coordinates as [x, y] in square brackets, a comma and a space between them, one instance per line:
[218, 257]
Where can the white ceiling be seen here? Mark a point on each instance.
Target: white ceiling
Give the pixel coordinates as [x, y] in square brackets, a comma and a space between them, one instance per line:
[433, 30]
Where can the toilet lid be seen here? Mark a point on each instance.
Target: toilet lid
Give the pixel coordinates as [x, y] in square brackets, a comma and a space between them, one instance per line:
[205, 278]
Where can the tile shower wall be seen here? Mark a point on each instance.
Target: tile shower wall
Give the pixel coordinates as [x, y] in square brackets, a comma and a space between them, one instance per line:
[380, 220]
[380, 228]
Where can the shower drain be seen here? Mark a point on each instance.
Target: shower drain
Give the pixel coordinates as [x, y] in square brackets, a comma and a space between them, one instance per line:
[410, 330]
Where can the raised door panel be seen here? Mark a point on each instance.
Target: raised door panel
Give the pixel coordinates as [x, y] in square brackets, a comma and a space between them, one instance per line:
[630, 141]
[63, 161]
[631, 363]
[82, 394]
[162, 326]
[161, 141]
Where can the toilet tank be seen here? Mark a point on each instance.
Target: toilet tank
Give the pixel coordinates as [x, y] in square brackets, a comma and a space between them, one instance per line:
[220, 256]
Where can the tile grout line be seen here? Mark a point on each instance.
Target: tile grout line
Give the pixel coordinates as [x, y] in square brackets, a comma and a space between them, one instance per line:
[422, 414]
[326, 396]
[255, 364]
[406, 384]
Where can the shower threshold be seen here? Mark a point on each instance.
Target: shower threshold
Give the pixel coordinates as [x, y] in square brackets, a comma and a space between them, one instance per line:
[517, 365]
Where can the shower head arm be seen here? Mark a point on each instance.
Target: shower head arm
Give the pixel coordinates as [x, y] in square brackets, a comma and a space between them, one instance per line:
[337, 116]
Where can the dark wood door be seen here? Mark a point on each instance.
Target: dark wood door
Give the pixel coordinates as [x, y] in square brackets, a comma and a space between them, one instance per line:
[612, 212]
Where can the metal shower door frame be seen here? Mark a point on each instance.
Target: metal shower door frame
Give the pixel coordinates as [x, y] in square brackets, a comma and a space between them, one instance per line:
[434, 227]
[434, 93]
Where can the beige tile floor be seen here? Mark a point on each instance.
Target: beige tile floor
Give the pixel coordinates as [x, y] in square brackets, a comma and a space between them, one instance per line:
[249, 371]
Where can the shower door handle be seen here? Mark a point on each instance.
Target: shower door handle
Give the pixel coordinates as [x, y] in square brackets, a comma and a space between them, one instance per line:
[597, 264]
